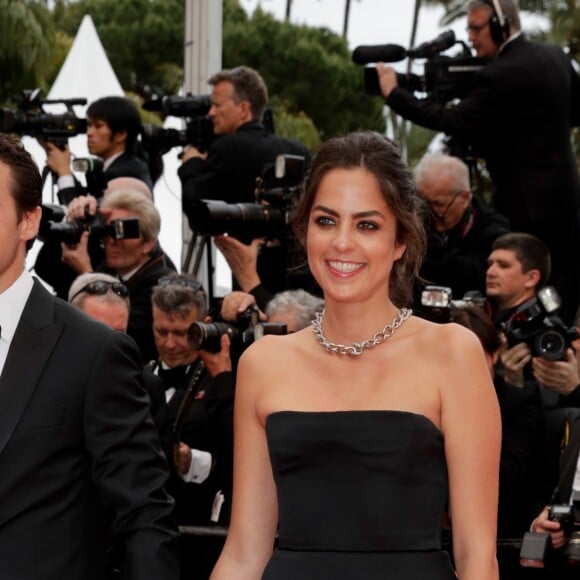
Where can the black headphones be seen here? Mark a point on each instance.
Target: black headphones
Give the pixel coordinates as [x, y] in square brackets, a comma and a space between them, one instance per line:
[499, 26]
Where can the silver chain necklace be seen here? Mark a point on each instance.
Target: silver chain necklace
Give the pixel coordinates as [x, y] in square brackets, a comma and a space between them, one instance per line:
[356, 348]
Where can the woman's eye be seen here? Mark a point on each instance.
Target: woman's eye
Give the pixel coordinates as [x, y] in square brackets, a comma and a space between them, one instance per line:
[324, 220]
[367, 226]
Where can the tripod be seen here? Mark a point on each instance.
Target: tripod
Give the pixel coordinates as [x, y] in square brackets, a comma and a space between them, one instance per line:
[195, 249]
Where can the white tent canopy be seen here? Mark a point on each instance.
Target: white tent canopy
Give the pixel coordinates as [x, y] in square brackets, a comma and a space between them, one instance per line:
[87, 73]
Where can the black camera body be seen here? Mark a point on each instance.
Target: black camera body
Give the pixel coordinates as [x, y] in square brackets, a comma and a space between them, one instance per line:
[30, 118]
[267, 218]
[536, 550]
[198, 131]
[536, 323]
[53, 227]
[207, 336]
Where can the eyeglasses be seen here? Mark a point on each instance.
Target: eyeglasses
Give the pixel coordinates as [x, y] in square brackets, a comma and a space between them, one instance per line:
[476, 28]
[165, 281]
[441, 216]
[101, 287]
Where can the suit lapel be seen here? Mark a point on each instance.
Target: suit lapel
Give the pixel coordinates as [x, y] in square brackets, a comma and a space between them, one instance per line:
[33, 342]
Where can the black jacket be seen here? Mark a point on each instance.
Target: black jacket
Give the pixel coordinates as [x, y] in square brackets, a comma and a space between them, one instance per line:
[458, 259]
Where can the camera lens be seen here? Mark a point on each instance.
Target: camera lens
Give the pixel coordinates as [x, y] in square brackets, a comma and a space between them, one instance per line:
[203, 336]
[551, 344]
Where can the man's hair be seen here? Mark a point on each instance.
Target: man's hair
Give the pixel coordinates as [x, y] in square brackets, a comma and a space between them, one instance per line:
[138, 205]
[434, 165]
[529, 250]
[508, 7]
[120, 114]
[381, 157]
[25, 180]
[77, 298]
[248, 85]
[178, 294]
[301, 303]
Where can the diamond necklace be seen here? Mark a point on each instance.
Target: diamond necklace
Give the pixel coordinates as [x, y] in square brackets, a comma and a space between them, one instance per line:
[356, 348]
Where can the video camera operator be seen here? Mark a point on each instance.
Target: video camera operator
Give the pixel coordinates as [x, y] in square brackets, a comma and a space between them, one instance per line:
[460, 227]
[113, 126]
[517, 116]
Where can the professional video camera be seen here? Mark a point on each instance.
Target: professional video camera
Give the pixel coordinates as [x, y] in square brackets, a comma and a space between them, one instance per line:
[207, 336]
[52, 226]
[437, 302]
[198, 131]
[268, 217]
[444, 78]
[31, 119]
[536, 323]
[536, 550]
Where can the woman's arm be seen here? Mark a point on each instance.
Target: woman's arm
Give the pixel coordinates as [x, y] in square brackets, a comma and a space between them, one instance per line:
[471, 425]
[254, 519]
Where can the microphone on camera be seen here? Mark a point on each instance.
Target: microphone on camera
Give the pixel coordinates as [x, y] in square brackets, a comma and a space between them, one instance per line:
[428, 49]
[378, 53]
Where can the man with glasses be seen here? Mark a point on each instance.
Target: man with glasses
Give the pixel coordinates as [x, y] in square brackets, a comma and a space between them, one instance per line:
[517, 117]
[80, 461]
[460, 226]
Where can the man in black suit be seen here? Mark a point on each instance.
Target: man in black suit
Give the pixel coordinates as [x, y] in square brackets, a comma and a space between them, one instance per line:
[197, 432]
[139, 262]
[239, 154]
[518, 117]
[80, 462]
[460, 226]
[113, 126]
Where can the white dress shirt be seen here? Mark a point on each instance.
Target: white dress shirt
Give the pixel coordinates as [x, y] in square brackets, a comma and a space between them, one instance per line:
[12, 302]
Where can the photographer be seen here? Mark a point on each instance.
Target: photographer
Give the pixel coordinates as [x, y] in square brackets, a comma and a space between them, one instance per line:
[569, 483]
[517, 117]
[234, 160]
[113, 126]
[139, 262]
[519, 265]
[460, 226]
[201, 480]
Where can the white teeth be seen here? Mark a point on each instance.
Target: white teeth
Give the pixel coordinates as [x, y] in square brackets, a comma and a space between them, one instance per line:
[345, 266]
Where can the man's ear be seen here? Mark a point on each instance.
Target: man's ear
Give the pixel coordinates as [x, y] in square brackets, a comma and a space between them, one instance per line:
[148, 246]
[246, 110]
[120, 137]
[29, 224]
[532, 278]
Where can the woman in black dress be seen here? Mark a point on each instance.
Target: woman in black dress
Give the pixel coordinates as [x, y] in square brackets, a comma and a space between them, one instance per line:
[353, 437]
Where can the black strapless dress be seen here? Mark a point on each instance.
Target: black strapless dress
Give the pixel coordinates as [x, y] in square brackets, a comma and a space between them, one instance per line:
[361, 496]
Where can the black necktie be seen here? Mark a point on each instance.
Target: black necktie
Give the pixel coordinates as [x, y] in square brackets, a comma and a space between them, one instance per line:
[174, 378]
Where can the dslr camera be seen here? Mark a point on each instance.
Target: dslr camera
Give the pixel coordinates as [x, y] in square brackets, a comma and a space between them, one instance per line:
[53, 226]
[207, 336]
[536, 550]
[198, 131]
[536, 323]
[267, 218]
[30, 118]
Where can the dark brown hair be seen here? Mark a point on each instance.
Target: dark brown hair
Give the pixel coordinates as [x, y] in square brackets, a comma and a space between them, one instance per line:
[379, 155]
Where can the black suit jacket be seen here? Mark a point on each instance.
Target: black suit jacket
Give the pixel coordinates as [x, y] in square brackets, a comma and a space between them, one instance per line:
[518, 116]
[79, 456]
[232, 165]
